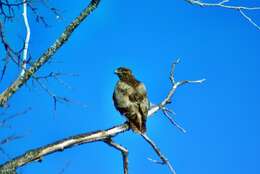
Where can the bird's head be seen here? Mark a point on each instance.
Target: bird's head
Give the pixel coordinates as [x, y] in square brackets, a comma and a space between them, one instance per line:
[123, 72]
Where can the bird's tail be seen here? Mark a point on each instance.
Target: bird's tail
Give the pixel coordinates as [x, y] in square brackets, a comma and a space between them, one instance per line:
[138, 124]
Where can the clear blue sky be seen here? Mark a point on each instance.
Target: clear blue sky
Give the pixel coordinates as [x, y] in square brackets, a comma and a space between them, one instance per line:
[221, 115]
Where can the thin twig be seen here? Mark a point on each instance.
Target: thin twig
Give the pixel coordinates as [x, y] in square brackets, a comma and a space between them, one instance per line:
[165, 161]
[56, 76]
[123, 151]
[55, 97]
[222, 4]
[9, 139]
[64, 168]
[249, 19]
[10, 53]
[10, 117]
[166, 113]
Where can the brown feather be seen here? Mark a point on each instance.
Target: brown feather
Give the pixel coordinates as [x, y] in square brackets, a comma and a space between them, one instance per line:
[130, 99]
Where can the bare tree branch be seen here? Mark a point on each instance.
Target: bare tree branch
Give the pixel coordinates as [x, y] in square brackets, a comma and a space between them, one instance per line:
[10, 53]
[165, 161]
[65, 167]
[21, 80]
[38, 17]
[123, 151]
[9, 139]
[249, 19]
[3, 121]
[56, 76]
[7, 3]
[27, 39]
[102, 135]
[222, 4]
[39, 153]
[167, 112]
[6, 141]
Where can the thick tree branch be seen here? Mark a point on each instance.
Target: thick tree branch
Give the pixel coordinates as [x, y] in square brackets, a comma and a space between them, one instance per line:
[21, 80]
[102, 135]
[39, 153]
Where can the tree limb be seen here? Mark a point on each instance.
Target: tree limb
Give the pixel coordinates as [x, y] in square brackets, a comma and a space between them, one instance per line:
[223, 4]
[39, 153]
[21, 80]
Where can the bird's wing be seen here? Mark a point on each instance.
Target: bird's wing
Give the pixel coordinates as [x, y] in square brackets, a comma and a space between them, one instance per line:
[133, 103]
[139, 96]
[140, 101]
[121, 97]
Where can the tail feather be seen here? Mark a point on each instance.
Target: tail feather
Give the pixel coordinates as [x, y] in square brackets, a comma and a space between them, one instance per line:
[138, 125]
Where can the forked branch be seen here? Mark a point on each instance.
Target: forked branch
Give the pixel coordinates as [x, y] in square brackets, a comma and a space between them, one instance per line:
[223, 4]
[164, 161]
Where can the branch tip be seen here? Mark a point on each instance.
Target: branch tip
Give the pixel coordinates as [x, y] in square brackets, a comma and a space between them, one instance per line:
[222, 4]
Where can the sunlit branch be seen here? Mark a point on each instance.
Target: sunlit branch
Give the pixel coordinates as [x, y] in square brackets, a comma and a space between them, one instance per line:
[27, 39]
[223, 4]
[164, 161]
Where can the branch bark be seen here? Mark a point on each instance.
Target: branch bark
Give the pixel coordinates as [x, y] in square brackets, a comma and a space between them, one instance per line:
[21, 80]
[58, 146]
[102, 135]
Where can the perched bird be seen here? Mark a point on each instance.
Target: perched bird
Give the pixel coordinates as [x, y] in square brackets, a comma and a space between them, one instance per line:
[130, 99]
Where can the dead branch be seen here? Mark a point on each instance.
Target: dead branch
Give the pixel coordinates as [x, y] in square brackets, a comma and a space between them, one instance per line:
[10, 53]
[27, 39]
[223, 4]
[3, 121]
[167, 113]
[6, 141]
[102, 135]
[56, 76]
[9, 139]
[58, 146]
[65, 167]
[21, 80]
[123, 151]
[164, 161]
